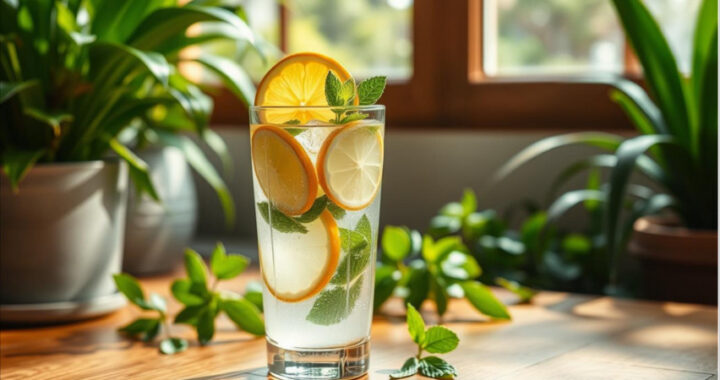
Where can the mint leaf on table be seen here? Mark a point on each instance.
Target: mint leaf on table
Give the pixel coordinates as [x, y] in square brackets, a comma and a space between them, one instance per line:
[245, 315]
[440, 340]
[334, 305]
[315, 210]
[370, 90]
[416, 325]
[333, 87]
[226, 266]
[130, 288]
[408, 369]
[171, 346]
[205, 326]
[146, 326]
[483, 300]
[433, 366]
[280, 221]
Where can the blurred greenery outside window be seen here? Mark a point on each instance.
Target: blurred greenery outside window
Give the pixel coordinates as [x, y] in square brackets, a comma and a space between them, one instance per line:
[549, 37]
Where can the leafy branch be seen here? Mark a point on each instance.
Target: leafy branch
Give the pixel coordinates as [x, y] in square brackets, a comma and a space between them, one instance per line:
[342, 94]
[201, 299]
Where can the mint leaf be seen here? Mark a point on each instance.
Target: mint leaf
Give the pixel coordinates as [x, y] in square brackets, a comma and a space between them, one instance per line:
[336, 211]
[347, 92]
[295, 131]
[315, 210]
[226, 266]
[396, 243]
[333, 87]
[418, 283]
[408, 369]
[385, 283]
[370, 90]
[190, 315]
[171, 346]
[353, 117]
[245, 315]
[157, 302]
[433, 366]
[280, 221]
[440, 340]
[195, 268]
[416, 325]
[139, 326]
[253, 293]
[468, 202]
[460, 266]
[525, 293]
[130, 287]
[356, 259]
[363, 227]
[292, 122]
[182, 290]
[439, 294]
[151, 333]
[205, 326]
[334, 305]
[483, 300]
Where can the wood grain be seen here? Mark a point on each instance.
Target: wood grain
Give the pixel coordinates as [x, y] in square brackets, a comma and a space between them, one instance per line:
[559, 336]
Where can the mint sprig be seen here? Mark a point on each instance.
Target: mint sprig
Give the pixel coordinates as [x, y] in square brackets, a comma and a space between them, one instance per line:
[202, 302]
[289, 224]
[434, 340]
[338, 301]
[342, 94]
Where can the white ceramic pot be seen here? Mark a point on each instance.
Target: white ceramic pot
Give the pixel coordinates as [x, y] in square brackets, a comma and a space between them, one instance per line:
[61, 236]
[157, 233]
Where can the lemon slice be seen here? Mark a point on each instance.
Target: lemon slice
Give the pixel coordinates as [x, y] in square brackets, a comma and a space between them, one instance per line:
[349, 165]
[297, 80]
[296, 266]
[283, 170]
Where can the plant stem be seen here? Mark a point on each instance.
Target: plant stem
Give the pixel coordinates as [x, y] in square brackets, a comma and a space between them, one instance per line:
[166, 324]
[419, 354]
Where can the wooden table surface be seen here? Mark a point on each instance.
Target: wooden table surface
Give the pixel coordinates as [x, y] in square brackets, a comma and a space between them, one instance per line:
[558, 336]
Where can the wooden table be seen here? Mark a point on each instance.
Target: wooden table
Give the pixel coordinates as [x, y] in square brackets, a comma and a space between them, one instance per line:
[558, 336]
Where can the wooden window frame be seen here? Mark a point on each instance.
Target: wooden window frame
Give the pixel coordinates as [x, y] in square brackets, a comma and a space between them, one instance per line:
[447, 40]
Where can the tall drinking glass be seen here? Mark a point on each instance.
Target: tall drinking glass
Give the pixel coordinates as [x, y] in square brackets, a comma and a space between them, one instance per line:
[317, 173]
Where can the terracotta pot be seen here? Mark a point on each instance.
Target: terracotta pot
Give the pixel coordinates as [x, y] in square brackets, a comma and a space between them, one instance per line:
[677, 263]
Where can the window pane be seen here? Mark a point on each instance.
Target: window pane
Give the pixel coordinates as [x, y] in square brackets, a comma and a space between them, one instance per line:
[369, 37]
[677, 21]
[524, 37]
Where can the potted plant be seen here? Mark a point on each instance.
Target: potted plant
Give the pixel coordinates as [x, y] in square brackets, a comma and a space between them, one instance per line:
[676, 148]
[73, 76]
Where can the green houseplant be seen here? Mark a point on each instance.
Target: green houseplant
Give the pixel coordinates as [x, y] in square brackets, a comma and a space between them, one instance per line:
[676, 147]
[74, 75]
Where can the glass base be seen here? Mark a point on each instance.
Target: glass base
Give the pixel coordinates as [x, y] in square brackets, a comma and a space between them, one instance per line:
[322, 363]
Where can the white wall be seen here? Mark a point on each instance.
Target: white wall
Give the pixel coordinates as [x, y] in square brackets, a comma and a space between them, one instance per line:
[424, 169]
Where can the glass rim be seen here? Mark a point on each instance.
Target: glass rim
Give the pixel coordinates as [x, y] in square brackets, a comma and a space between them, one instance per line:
[370, 107]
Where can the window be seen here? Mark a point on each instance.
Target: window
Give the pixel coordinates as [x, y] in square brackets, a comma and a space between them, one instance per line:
[497, 64]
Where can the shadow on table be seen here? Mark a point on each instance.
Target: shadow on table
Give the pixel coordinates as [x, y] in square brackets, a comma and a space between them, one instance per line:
[81, 342]
[248, 374]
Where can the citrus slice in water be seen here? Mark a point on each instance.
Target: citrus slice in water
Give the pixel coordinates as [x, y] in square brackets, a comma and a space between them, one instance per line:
[296, 266]
[297, 80]
[283, 170]
[349, 165]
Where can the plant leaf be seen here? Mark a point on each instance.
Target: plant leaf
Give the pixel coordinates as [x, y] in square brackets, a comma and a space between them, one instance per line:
[217, 144]
[157, 302]
[459, 265]
[434, 367]
[525, 293]
[370, 90]
[280, 221]
[416, 325]
[484, 301]
[17, 162]
[356, 259]
[155, 63]
[396, 242]
[245, 315]
[333, 86]
[336, 211]
[315, 210]
[386, 279]
[334, 305]
[171, 346]
[190, 314]
[409, 368]
[182, 290]
[468, 202]
[439, 294]
[253, 293]
[233, 76]
[353, 117]
[138, 169]
[195, 268]
[206, 326]
[130, 287]
[572, 198]
[440, 340]
[347, 92]
[418, 284]
[139, 326]
[224, 266]
[10, 89]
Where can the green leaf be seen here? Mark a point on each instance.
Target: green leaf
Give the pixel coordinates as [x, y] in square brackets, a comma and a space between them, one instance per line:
[333, 87]
[253, 293]
[280, 221]
[416, 325]
[182, 290]
[370, 90]
[190, 314]
[138, 169]
[245, 315]
[206, 326]
[468, 202]
[315, 210]
[130, 287]
[233, 76]
[363, 228]
[196, 104]
[171, 346]
[571, 199]
[659, 66]
[483, 300]
[334, 305]
[418, 283]
[139, 326]
[224, 266]
[458, 265]
[353, 117]
[197, 160]
[157, 302]
[336, 211]
[217, 144]
[347, 92]
[10, 89]
[409, 368]
[440, 340]
[532, 231]
[356, 259]
[195, 268]
[386, 279]
[439, 294]
[17, 162]
[576, 244]
[434, 367]
[435, 251]
[524, 293]
[396, 242]
[114, 21]
[155, 63]
[442, 225]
